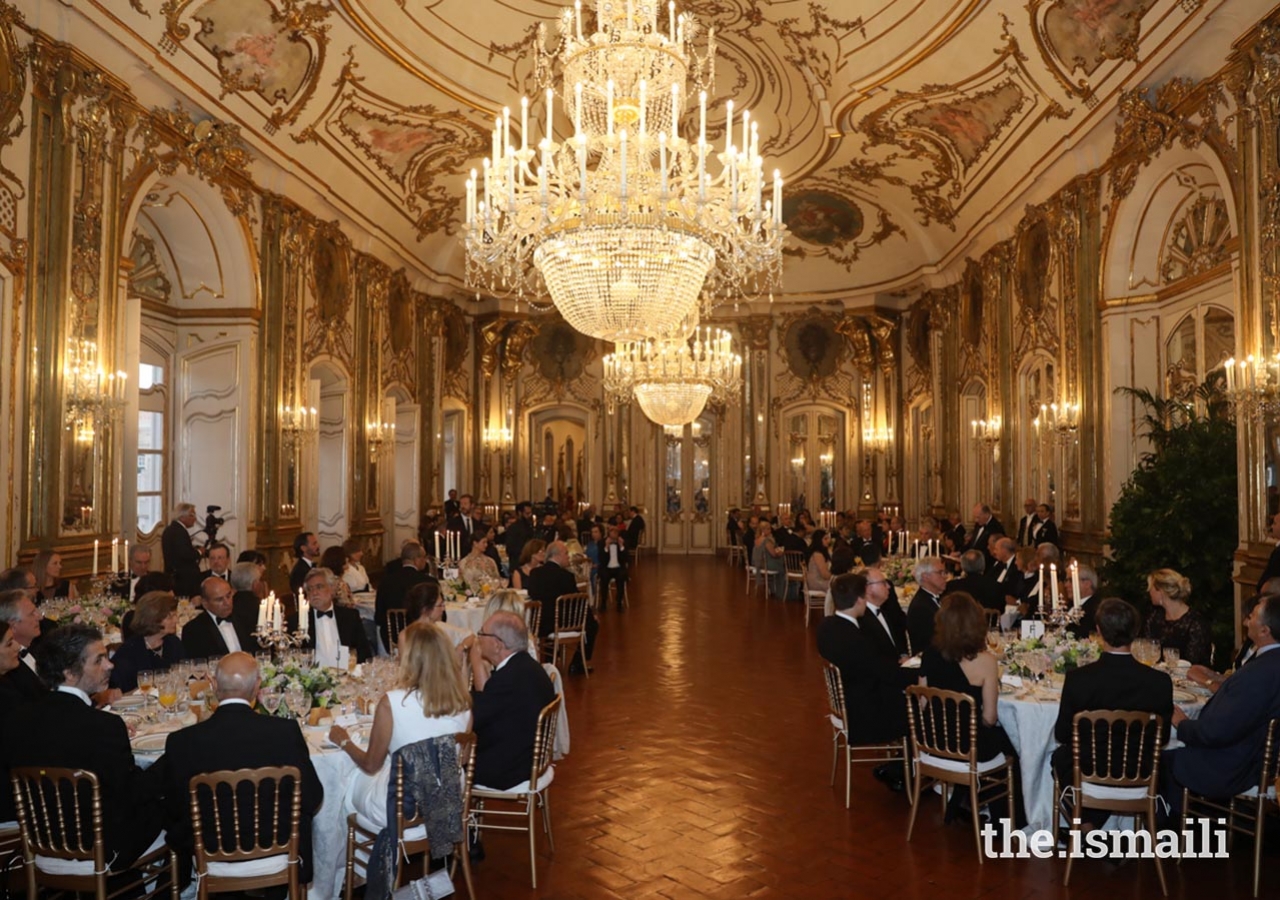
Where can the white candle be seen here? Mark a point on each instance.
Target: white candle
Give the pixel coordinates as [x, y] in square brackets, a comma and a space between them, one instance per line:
[702, 117]
[728, 127]
[675, 108]
[1075, 584]
[506, 129]
[551, 113]
[1040, 583]
[1053, 583]
[671, 18]
[95, 556]
[115, 554]
[608, 89]
[262, 614]
[437, 536]
[125, 559]
[623, 167]
[524, 123]
[275, 617]
[304, 617]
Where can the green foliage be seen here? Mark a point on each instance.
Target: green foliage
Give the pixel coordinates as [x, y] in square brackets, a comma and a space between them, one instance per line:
[1178, 509]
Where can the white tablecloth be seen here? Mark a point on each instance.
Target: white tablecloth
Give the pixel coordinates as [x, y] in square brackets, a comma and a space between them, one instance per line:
[1029, 724]
[463, 616]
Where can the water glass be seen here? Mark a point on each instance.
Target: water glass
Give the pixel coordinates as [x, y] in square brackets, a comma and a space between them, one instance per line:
[1172, 656]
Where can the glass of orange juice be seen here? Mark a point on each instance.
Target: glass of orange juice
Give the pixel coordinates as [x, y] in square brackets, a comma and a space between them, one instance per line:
[168, 694]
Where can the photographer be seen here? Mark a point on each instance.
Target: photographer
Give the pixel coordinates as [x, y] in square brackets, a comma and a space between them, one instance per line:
[181, 558]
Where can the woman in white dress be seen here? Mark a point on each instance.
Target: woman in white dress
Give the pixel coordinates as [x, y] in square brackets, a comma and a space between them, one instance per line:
[431, 701]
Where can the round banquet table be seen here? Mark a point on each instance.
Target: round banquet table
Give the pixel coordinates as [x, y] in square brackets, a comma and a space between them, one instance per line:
[1029, 722]
[465, 616]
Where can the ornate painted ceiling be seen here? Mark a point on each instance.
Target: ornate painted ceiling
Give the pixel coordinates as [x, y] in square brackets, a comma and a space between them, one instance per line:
[904, 128]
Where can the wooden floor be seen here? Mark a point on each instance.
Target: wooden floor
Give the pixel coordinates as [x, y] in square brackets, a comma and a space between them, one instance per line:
[700, 764]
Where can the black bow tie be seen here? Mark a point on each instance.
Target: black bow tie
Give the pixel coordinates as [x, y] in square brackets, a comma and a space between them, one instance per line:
[218, 620]
[23, 653]
[876, 610]
[325, 615]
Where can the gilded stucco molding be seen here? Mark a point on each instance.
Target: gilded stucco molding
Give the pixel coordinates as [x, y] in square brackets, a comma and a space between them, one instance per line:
[14, 60]
[210, 150]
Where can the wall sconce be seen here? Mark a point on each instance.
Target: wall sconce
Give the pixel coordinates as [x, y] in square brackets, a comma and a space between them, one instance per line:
[877, 440]
[381, 435]
[1253, 387]
[297, 424]
[497, 440]
[92, 396]
[986, 431]
[1061, 418]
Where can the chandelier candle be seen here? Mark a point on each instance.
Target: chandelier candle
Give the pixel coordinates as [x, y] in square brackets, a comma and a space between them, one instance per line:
[631, 240]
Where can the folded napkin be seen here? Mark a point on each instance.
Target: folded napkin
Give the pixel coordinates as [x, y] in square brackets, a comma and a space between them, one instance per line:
[1011, 680]
[912, 663]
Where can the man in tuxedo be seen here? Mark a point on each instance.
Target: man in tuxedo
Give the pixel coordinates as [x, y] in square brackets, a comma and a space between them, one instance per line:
[506, 701]
[1224, 746]
[1115, 681]
[612, 567]
[216, 631]
[1043, 529]
[139, 568]
[865, 546]
[19, 610]
[550, 581]
[1004, 572]
[1273, 561]
[181, 558]
[985, 527]
[62, 729]
[466, 523]
[332, 628]
[885, 622]
[520, 532]
[219, 557]
[395, 584]
[245, 600]
[635, 528]
[931, 575]
[974, 582]
[1024, 524]
[1089, 603]
[235, 737]
[306, 548]
[873, 683]
[954, 525]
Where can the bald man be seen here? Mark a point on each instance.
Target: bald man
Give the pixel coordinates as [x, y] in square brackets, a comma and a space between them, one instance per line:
[235, 737]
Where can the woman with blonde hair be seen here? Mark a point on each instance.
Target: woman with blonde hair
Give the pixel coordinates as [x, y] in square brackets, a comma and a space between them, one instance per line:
[47, 567]
[1173, 622]
[430, 700]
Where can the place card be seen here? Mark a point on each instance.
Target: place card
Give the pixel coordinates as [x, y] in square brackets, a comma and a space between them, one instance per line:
[1032, 628]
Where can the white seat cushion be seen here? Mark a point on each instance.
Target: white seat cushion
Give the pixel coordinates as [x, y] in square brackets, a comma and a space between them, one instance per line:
[1110, 792]
[956, 765]
[53, 866]
[565, 635]
[1252, 793]
[8, 828]
[250, 868]
[836, 722]
[416, 833]
[523, 787]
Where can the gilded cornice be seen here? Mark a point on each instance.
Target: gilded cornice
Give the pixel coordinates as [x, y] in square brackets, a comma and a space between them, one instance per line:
[13, 90]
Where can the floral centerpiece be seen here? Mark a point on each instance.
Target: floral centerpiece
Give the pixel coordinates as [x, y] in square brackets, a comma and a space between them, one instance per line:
[104, 612]
[898, 569]
[453, 589]
[319, 683]
[1063, 651]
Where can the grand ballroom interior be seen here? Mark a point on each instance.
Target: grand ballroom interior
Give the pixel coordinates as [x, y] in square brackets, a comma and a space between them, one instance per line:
[313, 263]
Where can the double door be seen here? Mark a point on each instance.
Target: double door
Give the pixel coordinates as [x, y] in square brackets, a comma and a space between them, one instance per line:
[686, 509]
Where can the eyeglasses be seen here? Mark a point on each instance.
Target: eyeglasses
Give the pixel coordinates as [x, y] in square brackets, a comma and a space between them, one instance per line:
[485, 634]
[881, 581]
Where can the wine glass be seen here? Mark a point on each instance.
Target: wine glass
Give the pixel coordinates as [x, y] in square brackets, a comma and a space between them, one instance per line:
[299, 708]
[1172, 656]
[200, 668]
[271, 701]
[995, 643]
[146, 680]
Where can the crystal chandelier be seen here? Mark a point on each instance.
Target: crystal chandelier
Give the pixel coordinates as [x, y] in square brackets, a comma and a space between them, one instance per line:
[93, 397]
[626, 222]
[1253, 387]
[672, 379]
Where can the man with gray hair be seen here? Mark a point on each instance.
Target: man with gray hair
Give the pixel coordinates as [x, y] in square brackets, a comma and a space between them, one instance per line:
[234, 737]
[244, 602]
[974, 582]
[24, 618]
[551, 581]
[1089, 602]
[181, 558]
[931, 575]
[506, 701]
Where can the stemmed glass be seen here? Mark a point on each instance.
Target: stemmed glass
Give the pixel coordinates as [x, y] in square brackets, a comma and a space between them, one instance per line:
[1146, 651]
[298, 704]
[271, 701]
[995, 643]
[1172, 656]
[169, 685]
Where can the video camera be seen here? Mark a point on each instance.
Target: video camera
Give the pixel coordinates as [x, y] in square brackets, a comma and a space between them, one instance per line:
[212, 523]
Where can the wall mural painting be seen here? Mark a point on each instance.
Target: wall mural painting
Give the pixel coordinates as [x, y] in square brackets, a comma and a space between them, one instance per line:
[1077, 36]
[400, 313]
[331, 275]
[812, 347]
[822, 218]
[1034, 254]
[559, 353]
[970, 123]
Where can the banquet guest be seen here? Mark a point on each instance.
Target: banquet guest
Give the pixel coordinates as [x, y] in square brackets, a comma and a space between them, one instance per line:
[1028, 596]
[11, 699]
[155, 645]
[873, 683]
[332, 628]
[1090, 600]
[769, 560]
[614, 561]
[1043, 529]
[306, 549]
[216, 632]
[1004, 572]
[507, 600]
[843, 559]
[885, 621]
[1223, 748]
[139, 567]
[19, 611]
[235, 737]
[954, 526]
[465, 522]
[18, 579]
[62, 729]
[817, 568]
[506, 702]
[424, 603]
[974, 582]
[245, 600]
[219, 557]
[335, 560]
[1172, 621]
[181, 558]
[47, 568]
[547, 583]
[477, 564]
[749, 534]
[430, 700]
[520, 532]
[1206, 677]
[396, 583]
[260, 585]
[635, 528]
[1272, 569]
[865, 546]
[532, 555]
[1026, 522]
[353, 573]
[1115, 681]
[932, 578]
[595, 539]
[985, 528]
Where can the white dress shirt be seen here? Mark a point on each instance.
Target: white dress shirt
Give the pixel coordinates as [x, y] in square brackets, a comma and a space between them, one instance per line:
[228, 632]
[328, 646]
[613, 557]
[68, 689]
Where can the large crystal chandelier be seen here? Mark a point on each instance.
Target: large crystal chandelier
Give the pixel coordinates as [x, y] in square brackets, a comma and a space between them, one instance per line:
[671, 378]
[625, 222]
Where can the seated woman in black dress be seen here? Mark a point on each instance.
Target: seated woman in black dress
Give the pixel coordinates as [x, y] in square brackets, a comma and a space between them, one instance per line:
[47, 567]
[155, 645]
[1173, 622]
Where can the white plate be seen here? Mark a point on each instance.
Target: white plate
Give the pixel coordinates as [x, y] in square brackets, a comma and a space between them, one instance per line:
[150, 743]
[912, 663]
[1181, 695]
[130, 701]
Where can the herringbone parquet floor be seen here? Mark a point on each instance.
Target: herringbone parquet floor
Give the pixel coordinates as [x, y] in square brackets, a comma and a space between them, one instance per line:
[699, 769]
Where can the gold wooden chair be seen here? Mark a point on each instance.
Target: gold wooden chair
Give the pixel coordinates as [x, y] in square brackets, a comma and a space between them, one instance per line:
[570, 628]
[1119, 770]
[395, 624]
[528, 796]
[411, 831]
[794, 561]
[533, 618]
[60, 829]
[244, 826]
[737, 552]
[814, 600]
[1245, 813]
[944, 751]
[838, 716]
